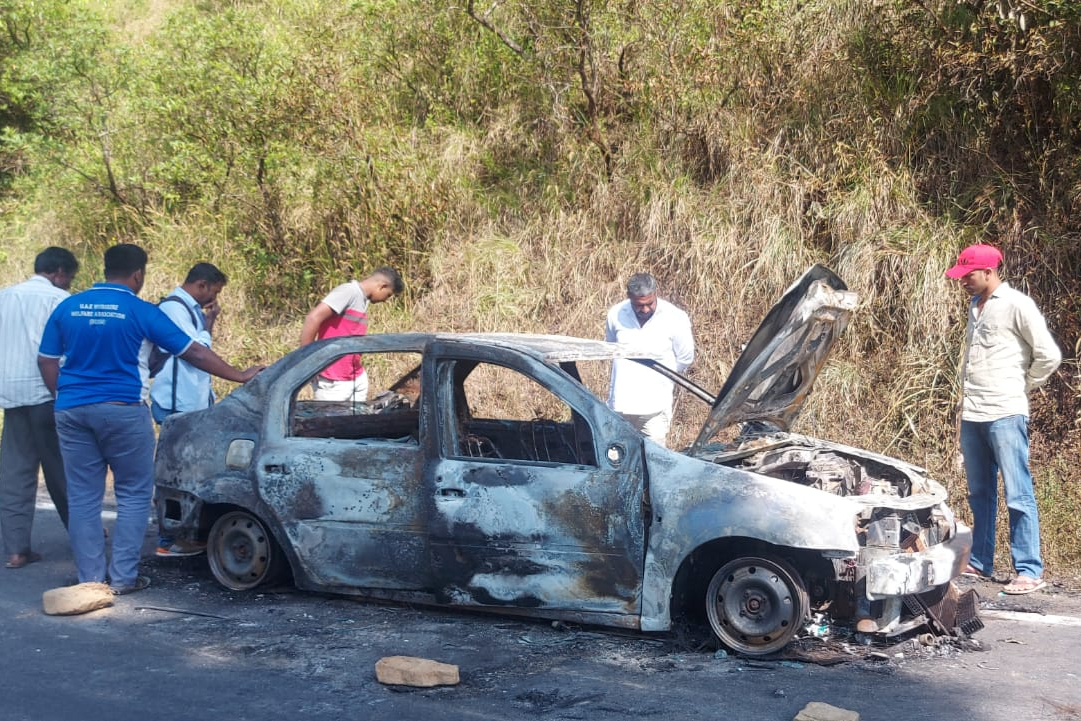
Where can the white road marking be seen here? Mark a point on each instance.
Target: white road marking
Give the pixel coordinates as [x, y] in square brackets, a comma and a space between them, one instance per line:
[1046, 619]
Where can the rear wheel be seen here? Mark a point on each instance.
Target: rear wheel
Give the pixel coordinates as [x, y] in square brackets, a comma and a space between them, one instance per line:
[756, 605]
[242, 553]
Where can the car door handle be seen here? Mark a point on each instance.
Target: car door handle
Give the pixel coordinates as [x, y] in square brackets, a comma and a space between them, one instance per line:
[275, 468]
[452, 492]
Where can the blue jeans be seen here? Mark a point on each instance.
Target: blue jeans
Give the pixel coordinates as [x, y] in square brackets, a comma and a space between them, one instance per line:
[92, 438]
[990, 447]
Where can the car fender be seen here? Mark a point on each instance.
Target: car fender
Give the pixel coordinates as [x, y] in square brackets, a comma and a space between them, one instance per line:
[695, 503]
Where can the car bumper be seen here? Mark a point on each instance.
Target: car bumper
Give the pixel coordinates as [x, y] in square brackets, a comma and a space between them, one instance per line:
[178, 513]
[904, 574]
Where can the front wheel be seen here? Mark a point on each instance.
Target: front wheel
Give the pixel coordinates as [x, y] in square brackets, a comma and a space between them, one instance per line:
[242, 553]
[756, 605]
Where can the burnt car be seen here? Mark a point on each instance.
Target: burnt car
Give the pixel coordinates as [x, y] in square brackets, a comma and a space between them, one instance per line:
[485, 473]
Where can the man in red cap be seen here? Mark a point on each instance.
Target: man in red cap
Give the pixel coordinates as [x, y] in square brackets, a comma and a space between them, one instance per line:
[1008, 352]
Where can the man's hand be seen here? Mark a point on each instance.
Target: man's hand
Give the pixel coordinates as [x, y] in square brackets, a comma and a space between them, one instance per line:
[248, 373]
[207, 360]
[211, 311]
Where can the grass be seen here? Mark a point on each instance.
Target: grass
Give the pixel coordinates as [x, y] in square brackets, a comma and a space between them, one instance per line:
[745, 147]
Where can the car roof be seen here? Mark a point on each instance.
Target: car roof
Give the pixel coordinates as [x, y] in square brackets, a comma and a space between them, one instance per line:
[553, 348]
[550, 349]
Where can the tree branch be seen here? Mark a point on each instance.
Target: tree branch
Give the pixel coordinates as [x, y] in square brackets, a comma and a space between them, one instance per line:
[484, 22]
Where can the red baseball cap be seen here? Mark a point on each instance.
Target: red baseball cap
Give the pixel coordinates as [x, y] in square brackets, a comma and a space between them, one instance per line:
[974, 257]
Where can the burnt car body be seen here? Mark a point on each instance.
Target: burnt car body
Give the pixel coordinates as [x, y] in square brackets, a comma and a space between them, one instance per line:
[569, 514]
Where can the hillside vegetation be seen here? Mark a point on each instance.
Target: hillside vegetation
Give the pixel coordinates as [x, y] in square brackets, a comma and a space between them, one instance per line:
[519, 160]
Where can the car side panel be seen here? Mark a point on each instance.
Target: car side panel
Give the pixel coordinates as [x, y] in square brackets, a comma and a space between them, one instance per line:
[353, 511]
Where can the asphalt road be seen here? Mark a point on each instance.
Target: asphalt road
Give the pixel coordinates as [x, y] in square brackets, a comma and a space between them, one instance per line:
[187, 649]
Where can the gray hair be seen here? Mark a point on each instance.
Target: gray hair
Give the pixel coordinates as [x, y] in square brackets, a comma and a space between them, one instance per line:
[640, 285]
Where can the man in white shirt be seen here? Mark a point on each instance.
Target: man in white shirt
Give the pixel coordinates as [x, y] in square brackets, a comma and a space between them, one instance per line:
[29, 439]
[179, 386]
[640, 394]
[1008, 353]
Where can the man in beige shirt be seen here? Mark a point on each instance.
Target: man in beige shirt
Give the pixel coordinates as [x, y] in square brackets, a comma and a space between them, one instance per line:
[1008, 353]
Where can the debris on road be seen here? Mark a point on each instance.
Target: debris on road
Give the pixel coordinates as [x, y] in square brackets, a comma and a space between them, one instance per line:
[818, 711]
[411, 671]
[188, 612]
[74, 600]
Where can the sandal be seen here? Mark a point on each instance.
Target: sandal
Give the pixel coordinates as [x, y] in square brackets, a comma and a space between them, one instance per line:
[140, 583]
[18, 560]
[1024, 584]
[973, 572]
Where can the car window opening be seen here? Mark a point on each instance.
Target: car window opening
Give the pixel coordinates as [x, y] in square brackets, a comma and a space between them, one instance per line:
[501, 413]
[387, 415]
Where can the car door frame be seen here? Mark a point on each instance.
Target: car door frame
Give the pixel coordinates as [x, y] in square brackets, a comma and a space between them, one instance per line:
[352, 511]
[585, 558]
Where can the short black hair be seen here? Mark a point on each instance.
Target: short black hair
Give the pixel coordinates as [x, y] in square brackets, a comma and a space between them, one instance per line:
[393, 276]
[53, 259]
[206, 271]
[123, 260]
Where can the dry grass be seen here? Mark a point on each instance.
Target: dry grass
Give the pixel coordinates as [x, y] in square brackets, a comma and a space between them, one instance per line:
[756, 158]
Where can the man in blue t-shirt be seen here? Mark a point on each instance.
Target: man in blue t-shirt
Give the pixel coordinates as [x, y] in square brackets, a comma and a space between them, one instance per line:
[101, 414]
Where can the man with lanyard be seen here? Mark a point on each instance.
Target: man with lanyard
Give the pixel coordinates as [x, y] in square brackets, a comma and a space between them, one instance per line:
[640, 394]
[102, 418]
[344, 311]
[179, 386]
[29, 438]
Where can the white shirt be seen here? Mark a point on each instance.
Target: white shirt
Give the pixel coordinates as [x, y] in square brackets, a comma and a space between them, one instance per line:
[1008, 352]
[636, 389]
[24, 308]
[347, 296]
[193, 391]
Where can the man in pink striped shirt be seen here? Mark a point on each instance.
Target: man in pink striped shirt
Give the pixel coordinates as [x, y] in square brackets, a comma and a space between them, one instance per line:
[344, 311]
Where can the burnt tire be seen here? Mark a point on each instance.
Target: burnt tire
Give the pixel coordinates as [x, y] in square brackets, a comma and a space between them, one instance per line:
[242, 553]
[756, 605]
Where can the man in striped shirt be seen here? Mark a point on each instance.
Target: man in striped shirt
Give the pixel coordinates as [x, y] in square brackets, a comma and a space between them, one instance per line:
[29, 439]
[344, 311]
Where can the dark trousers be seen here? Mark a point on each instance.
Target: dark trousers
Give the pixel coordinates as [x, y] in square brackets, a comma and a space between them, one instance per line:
[28, 443]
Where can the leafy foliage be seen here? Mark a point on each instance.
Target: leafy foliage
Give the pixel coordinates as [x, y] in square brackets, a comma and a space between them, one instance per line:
[517, 160]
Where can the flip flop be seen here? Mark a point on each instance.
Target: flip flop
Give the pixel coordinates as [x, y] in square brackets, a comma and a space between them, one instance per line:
[1022, 585]
[19, 560]
[973, 572]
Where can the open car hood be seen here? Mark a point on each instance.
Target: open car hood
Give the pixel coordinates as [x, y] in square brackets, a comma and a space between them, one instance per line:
[777, 368]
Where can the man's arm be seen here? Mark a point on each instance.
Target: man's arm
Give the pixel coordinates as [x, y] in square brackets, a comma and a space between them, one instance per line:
[610, 330]
[683, 344]
[1046, 355]
[207, 360]
[312, 322]
[180, 314]
[50, 372]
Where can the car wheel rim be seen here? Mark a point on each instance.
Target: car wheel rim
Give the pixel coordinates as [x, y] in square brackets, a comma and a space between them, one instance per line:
[755, 605]
[240, 551]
